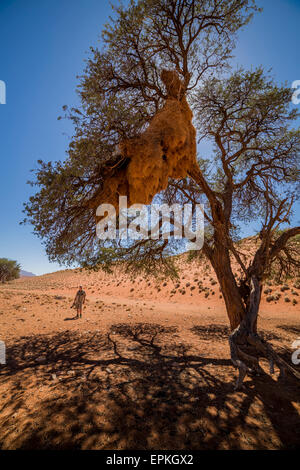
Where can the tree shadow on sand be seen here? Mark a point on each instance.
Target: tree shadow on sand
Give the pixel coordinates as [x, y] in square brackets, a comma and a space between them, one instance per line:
[137, 387]
[215, 332]
[293, 329]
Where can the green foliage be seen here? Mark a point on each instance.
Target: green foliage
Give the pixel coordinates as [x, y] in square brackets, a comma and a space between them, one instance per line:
[153, 258]
[120, 91]
[9, 270]
[252, 173]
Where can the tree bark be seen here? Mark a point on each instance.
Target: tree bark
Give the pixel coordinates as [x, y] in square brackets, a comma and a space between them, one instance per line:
[246, 346]
[220, 261]
[246, 337]
[242, 302]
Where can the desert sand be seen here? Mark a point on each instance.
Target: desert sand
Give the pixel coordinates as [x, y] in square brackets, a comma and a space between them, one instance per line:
[147, 367]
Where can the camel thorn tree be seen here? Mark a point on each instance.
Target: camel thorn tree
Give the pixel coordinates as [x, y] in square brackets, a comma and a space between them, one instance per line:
[161, 86]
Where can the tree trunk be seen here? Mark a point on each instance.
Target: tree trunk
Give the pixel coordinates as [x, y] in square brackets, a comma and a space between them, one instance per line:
[245, 337]
[220, 261]
[246, 346]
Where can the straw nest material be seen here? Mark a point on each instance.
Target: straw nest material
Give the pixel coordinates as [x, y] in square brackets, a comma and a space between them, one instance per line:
[167, 149]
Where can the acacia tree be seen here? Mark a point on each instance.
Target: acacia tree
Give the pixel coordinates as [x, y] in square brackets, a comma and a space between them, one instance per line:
[251, 172]
[9, 270]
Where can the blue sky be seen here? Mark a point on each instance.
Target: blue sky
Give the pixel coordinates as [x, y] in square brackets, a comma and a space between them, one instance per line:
[43, 45]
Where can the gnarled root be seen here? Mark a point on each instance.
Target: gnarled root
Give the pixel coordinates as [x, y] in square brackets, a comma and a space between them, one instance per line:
[244, 336]
[236, 353]
[241, 338]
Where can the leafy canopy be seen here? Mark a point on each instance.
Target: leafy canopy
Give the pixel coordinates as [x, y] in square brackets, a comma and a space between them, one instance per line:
[9, 270]
[253, 167]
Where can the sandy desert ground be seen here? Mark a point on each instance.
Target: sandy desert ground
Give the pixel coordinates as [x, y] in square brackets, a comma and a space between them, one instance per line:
[147, 367]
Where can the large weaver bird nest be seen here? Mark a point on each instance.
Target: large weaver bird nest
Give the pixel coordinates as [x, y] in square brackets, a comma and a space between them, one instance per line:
[167, 149]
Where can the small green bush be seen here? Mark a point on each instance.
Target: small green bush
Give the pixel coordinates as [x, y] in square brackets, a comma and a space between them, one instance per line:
[9, 270]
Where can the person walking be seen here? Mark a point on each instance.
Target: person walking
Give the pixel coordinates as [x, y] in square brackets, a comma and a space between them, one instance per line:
[79, 301]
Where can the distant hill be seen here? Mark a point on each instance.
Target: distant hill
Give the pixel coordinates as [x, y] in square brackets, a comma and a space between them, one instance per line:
[26, 274]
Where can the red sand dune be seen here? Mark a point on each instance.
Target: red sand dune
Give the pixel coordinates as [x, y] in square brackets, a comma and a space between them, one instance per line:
[147, 367]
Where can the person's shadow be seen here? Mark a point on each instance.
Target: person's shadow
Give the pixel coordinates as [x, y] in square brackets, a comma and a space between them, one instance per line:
[70, 318]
